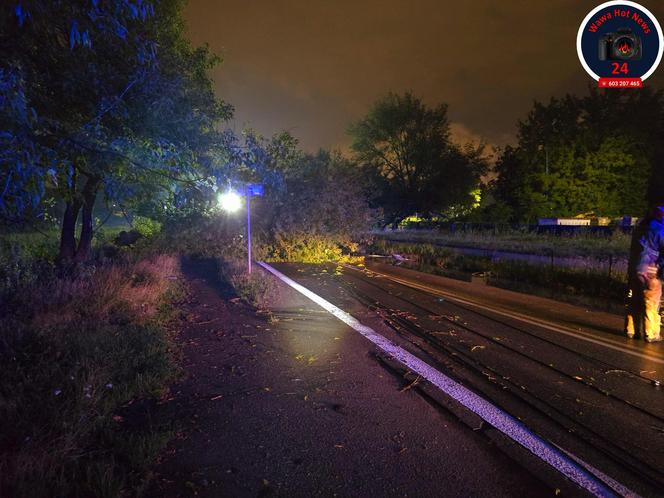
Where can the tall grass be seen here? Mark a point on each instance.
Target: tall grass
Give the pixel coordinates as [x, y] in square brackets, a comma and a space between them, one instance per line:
[580, 244]
[74, 350]
[257, 288]
[589, 285]
[605, 291]
[28, 257]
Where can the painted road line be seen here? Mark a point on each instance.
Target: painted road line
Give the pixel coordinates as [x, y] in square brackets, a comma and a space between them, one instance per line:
[499, 419]
[605, 342]
[612, 483]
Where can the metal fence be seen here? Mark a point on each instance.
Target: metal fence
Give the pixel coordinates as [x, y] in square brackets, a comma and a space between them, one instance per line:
[611, 265]
[459, 226]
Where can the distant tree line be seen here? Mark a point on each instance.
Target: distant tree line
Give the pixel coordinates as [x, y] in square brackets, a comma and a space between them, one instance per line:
[601, 154]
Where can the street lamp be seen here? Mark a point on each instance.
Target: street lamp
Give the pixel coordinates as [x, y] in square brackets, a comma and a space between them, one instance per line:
[231, 202]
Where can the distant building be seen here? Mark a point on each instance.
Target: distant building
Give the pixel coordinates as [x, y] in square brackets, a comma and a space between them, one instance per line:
[579, 222]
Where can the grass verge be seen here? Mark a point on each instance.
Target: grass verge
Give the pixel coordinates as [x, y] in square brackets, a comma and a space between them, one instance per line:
[576, 286]
[583, 286]
[582, 244]
[75, 350]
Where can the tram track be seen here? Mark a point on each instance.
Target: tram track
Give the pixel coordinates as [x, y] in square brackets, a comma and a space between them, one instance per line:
[619, 454]
[605, 366]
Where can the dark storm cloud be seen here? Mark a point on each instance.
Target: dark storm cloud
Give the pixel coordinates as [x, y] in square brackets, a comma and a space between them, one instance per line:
[312, 67]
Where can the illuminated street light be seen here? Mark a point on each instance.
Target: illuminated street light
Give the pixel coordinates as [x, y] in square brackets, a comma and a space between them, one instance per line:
[230, 201]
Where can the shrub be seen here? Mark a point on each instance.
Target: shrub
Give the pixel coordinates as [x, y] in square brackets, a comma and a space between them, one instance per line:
[304, 248]
[319, 215]
[145, 226]
[25, 259]
[203, 236]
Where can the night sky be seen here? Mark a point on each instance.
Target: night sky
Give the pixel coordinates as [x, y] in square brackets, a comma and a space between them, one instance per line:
[312, 67]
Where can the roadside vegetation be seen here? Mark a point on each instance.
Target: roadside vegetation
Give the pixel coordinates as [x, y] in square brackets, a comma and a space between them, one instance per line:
[77, 349]
[410, 163]
[587, 285]
[575, 285]
[316, 213]
[105, 109]
[588, 245]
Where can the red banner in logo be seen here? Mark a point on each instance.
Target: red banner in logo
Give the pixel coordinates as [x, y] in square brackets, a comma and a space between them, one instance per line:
[620, 83]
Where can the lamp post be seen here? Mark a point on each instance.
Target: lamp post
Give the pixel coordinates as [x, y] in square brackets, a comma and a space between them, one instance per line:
[248, 231]
[231, 202]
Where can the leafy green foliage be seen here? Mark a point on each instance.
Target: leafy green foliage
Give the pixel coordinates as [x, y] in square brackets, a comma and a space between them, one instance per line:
[600, 154]
[25, 259]
[405, 149]
[320, 213]
[314, 210]
[201, 235]
[60, 72]
[146, 226]
[302, 247]
[103, 97]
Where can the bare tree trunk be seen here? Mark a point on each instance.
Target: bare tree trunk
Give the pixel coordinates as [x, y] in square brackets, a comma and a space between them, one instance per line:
[68, 233]
[85, 242]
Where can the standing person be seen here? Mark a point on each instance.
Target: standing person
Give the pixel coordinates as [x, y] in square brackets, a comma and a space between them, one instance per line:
[645, 277]
[634, 305]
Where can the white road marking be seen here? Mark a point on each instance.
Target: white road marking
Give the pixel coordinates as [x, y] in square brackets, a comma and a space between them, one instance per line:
[573, 468]
[605, 342]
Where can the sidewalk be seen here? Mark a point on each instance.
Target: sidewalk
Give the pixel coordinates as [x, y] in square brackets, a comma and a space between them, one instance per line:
[299, 406]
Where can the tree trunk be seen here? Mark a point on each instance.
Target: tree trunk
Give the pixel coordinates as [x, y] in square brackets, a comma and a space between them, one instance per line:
[68, 233]
[85, 242]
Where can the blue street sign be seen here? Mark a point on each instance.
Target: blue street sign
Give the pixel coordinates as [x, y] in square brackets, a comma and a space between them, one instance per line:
[255, 189]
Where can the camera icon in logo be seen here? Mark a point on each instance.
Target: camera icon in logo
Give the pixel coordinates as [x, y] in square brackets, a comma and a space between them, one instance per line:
[623, 45]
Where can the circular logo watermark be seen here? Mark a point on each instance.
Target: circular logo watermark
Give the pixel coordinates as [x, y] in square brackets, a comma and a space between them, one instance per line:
[620, 44]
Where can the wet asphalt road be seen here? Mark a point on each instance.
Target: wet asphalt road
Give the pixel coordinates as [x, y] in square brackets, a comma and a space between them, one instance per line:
[298, 404]
[598, 403]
